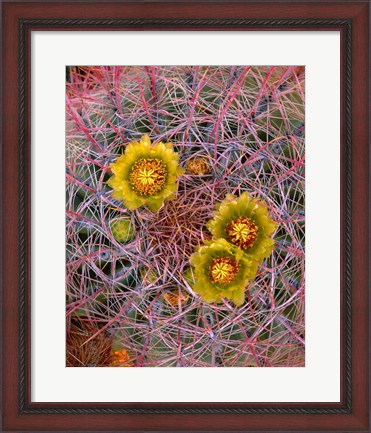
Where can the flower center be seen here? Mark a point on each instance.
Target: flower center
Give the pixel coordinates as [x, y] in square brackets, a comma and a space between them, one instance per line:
[148, 176]
[223, 270]
[242, 232]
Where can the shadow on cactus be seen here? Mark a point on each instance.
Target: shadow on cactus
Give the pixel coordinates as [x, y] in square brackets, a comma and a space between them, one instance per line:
[185, 216]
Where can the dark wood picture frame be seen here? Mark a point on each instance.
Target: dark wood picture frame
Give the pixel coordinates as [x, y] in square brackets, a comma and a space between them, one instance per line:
[19, 19]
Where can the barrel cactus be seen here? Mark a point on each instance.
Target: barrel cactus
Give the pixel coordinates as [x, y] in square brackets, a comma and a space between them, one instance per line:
[165, 164]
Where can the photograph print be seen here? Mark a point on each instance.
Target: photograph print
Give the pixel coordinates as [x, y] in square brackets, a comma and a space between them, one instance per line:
[185, 216]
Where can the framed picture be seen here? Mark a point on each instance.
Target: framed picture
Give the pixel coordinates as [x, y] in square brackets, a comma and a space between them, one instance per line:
[185, 187]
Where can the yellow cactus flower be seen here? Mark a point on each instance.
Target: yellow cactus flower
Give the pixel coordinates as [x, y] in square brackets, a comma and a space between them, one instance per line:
[175, 296]
[245, 223]
[222, 270]
[198, 166]
[121, 358]
[145, 174]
